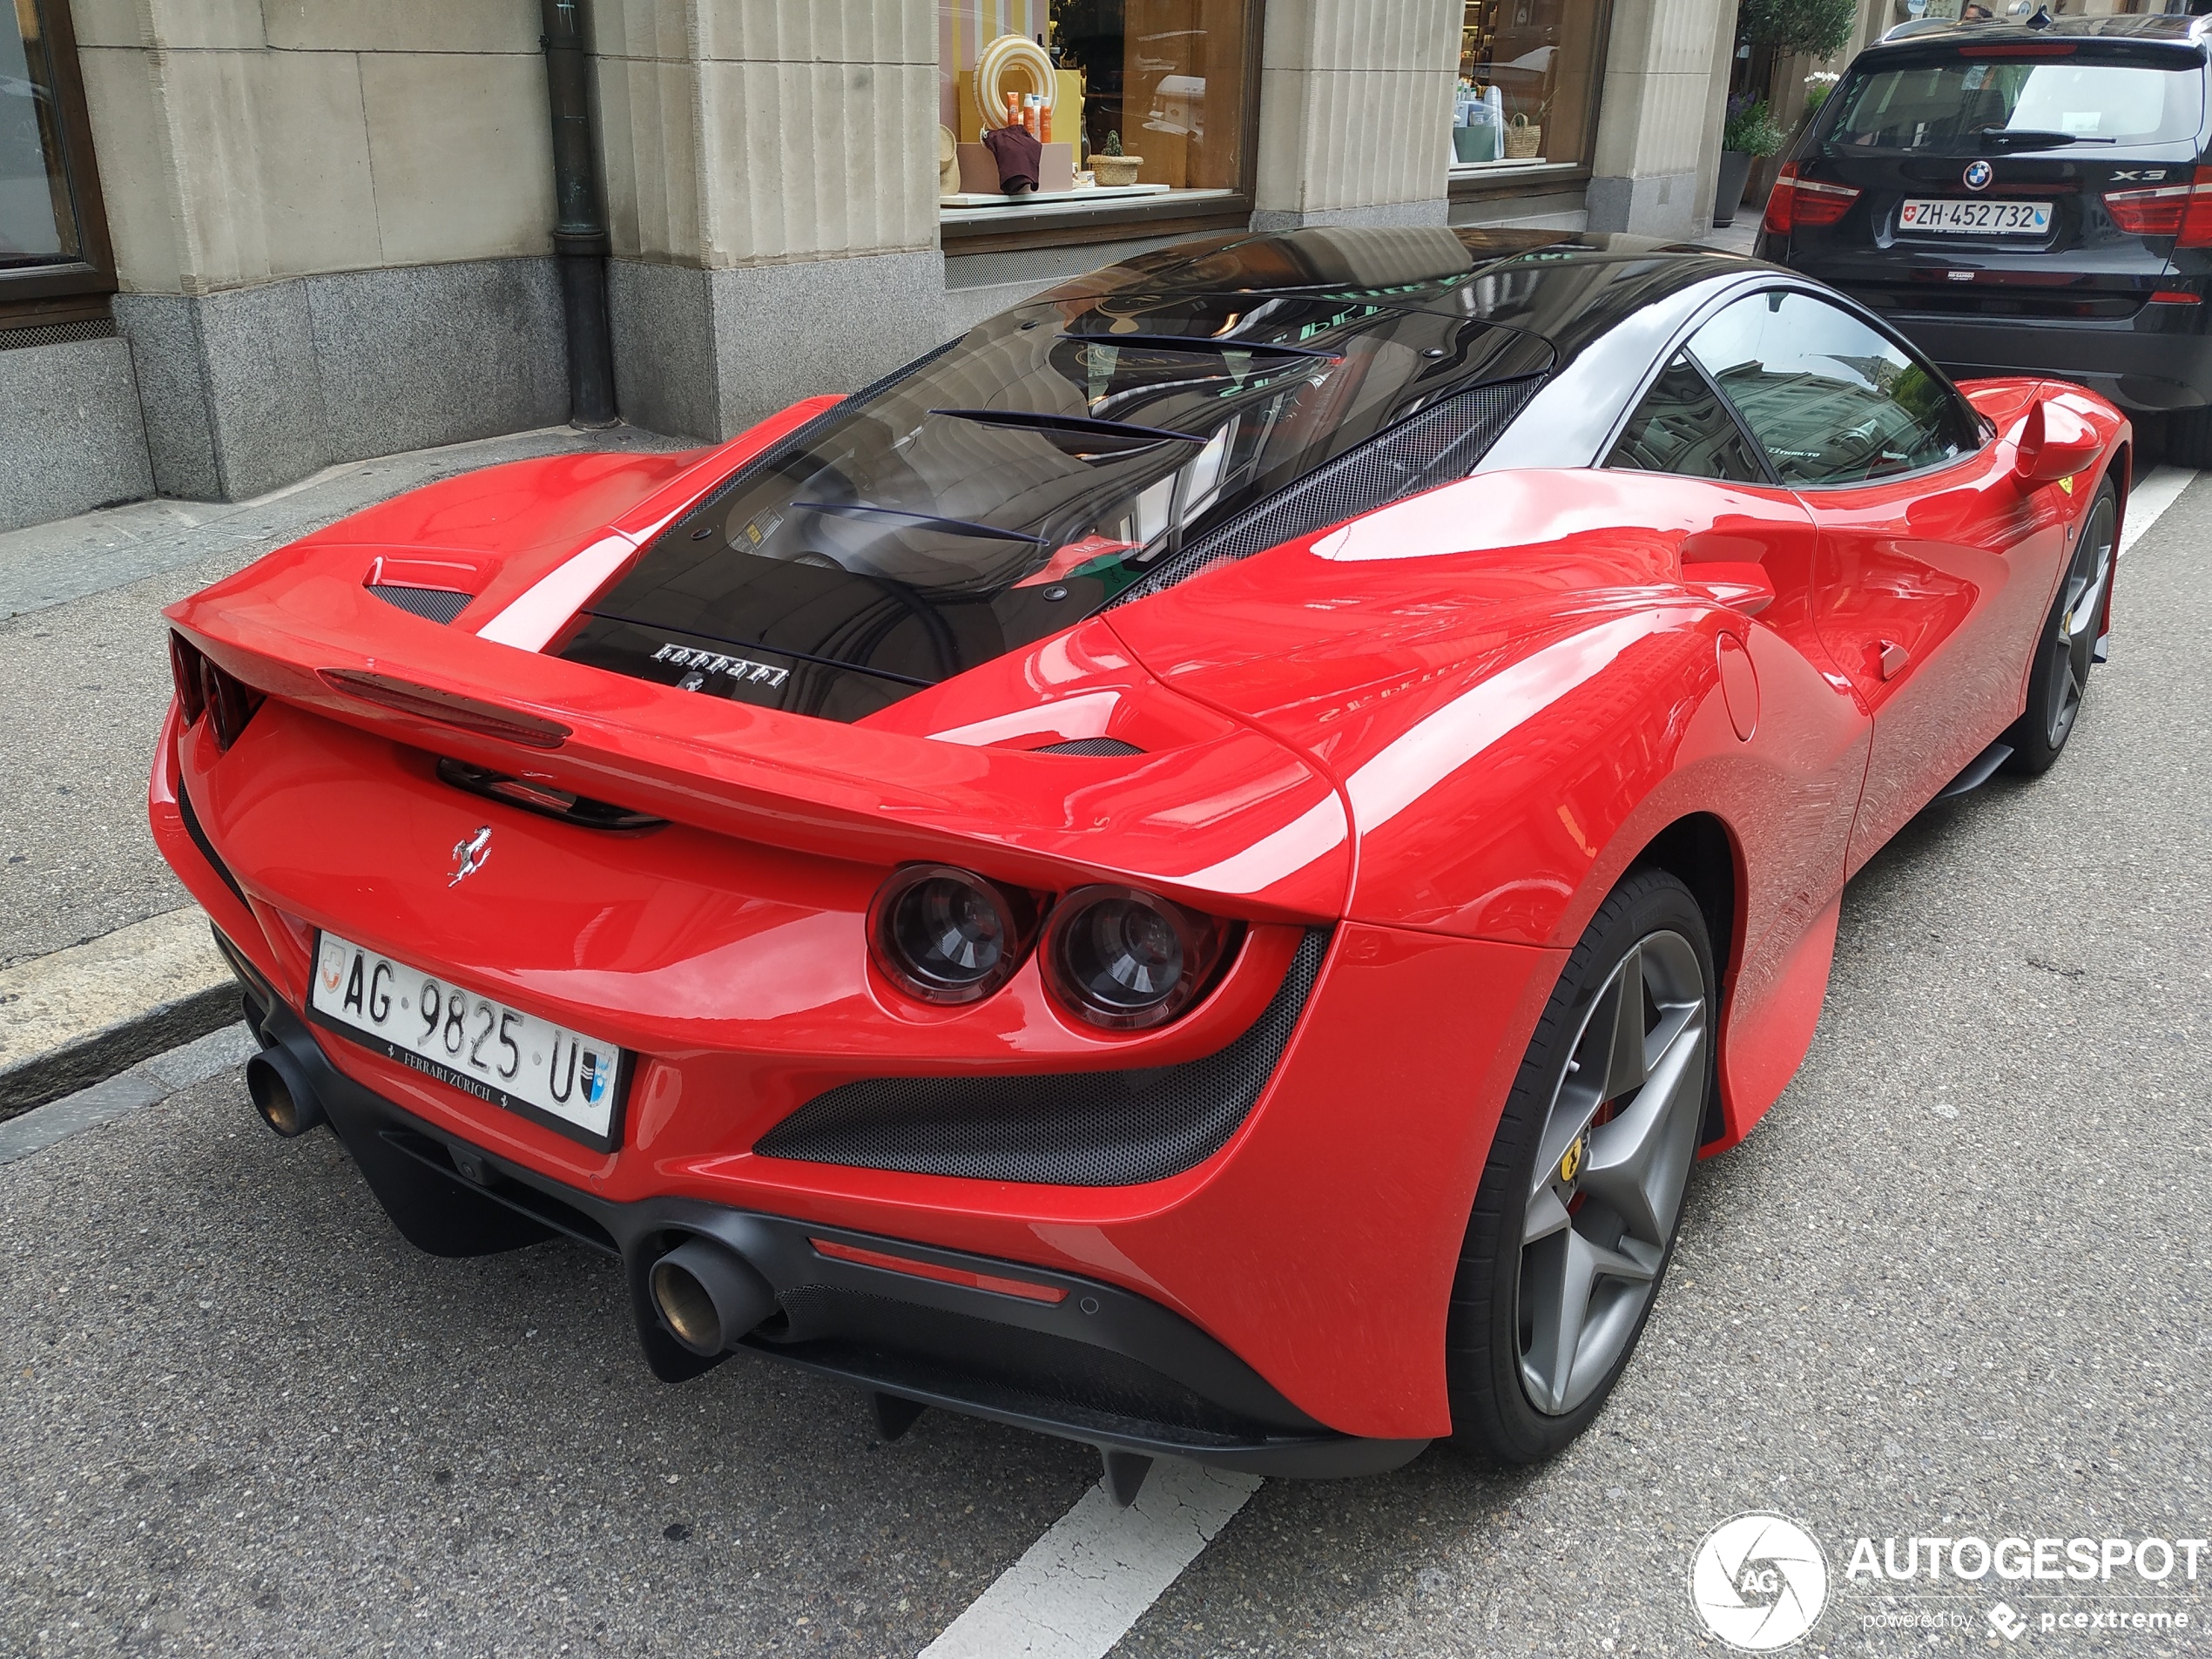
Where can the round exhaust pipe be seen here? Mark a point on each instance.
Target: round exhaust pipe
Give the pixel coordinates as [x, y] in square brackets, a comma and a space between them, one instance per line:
[281, 1092]
[708, 1297]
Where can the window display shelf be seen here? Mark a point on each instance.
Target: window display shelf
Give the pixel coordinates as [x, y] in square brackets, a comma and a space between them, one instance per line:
[999, 204]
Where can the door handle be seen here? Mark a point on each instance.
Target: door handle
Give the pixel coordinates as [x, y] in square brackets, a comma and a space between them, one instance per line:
[1745, 588]
[1894, 658]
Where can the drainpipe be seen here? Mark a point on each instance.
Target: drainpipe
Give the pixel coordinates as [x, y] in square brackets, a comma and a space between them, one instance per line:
[580, 244]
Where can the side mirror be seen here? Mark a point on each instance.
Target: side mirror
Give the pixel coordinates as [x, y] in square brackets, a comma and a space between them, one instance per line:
[2054, 443]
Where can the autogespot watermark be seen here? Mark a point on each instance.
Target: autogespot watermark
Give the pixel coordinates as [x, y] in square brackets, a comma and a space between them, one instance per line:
[1761, 1582]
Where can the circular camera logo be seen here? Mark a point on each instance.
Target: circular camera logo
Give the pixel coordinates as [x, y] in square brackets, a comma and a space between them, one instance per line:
[1759, 1583]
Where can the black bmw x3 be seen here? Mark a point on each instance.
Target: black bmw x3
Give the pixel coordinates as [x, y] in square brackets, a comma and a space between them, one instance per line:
[2025, 199]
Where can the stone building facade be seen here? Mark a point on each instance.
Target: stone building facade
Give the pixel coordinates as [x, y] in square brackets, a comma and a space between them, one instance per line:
[314, 231]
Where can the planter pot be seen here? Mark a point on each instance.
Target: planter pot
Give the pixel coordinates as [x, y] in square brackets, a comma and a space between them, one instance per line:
[1476, 143]
[1115, 172]
[1523, 142]
[1736, 168]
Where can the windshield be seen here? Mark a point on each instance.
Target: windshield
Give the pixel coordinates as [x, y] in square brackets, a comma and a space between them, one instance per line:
[1018, 481]
[1966, 106]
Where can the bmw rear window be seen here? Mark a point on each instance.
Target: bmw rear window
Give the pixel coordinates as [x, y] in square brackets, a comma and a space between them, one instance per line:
[2040, 98]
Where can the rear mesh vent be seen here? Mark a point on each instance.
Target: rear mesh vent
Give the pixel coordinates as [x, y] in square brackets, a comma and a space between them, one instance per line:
[434, 604]
[1088, 746]
[1441, 443]
[1083, 1129]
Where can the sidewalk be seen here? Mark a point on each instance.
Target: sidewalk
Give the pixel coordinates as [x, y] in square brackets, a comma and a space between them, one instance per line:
[84, 677]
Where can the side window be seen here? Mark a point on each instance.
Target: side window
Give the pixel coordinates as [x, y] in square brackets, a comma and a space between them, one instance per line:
[1832, 401]
[1683, 426]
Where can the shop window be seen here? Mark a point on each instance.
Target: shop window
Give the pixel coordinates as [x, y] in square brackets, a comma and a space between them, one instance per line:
[1141, 103]
[53, 238]
[1528, 80]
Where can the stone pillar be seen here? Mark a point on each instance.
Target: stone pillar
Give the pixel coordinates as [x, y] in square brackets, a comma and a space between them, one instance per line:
[772, 187]
[1355, 112]
[1659, 117]
[332, 226]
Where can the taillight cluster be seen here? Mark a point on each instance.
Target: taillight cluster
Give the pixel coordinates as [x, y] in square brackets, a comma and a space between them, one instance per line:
[202, 688]
[2181, 210]
[1118, 958]
[1796, 202]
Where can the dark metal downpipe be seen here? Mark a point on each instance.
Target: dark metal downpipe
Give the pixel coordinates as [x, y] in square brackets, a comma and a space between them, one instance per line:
[281, 1092]
[708, 1297]
[580, 241]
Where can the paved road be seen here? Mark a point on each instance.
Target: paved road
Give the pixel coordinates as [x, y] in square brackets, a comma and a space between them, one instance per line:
[84, 675]
[1956, 1284]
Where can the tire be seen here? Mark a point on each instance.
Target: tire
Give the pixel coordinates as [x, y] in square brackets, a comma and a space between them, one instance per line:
[2185, 437]
[2058, 674]
[1520, 1388]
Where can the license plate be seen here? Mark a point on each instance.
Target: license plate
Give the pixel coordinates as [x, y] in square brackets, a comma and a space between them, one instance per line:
[1976, 219]
[564, 1079]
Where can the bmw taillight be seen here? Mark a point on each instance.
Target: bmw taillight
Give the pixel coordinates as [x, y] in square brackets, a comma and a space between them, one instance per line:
[203, 688]
[2182, 210]
[1125, 959]
[1796, 202]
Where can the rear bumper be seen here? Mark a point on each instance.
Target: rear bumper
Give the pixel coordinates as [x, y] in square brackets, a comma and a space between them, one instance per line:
[1100, 1365]
[2134, 369]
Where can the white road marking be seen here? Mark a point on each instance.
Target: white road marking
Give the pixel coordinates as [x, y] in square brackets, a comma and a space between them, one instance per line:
[2155, 492]
[1080, 1588]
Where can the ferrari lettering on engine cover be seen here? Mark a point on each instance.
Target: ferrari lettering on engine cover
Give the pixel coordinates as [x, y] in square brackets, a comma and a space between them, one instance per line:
[708, 662]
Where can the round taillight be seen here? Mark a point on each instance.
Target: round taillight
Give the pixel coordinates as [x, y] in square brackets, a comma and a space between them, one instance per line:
[948, 935]
[1125, 959]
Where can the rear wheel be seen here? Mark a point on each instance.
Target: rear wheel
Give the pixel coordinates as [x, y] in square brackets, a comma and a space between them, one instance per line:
[1574, 1221]
[2059, 676]
[2186, 440]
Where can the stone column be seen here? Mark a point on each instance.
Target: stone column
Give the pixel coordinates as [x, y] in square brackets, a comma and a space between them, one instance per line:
[772, 187]
[1659, 117]
[1355, 111]
[331, 228]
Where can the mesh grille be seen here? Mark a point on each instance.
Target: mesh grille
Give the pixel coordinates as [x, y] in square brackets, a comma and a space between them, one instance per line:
[1083, 1129]
[58, 333]
[1089, 746]
[1442, 441]
[437, 605]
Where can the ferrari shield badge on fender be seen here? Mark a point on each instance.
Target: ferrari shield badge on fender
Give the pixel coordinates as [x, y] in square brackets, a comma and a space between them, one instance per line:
[469, 854]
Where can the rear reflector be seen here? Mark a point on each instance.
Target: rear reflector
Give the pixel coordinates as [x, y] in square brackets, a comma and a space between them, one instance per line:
[2183, 212]
[2176, 297]
[448, 708]
[943, 1275]
[1795, 202]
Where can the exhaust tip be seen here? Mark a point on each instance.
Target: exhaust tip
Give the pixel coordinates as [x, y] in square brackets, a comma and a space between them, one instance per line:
[708, 1297]
[282, 1093]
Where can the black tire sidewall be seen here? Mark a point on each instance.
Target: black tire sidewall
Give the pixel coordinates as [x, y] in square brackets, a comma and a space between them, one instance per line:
[1490, 1410]
[2030, 736]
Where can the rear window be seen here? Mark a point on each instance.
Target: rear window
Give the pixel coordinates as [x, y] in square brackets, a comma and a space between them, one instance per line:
[1966, 106]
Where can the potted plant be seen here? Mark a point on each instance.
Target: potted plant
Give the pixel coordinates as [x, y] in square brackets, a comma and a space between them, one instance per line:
[1112, 169]
[1750, 132]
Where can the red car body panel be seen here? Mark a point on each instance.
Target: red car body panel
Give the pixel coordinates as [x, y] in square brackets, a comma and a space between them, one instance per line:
[1446, 729]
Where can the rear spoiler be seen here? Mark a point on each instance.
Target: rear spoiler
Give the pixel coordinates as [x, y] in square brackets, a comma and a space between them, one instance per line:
[1237, 824]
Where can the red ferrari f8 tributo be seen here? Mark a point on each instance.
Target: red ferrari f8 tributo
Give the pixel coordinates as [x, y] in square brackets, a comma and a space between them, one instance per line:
[1191, 871]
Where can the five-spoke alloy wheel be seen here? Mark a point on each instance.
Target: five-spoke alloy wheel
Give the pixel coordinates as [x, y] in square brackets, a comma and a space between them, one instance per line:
[2060, 673]
[1575, 1217]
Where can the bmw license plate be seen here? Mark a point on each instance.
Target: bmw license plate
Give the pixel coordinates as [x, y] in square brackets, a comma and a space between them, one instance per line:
[561, 1078]
[1976, 219]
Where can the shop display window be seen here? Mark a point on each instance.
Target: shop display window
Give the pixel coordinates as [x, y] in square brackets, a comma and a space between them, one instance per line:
[1528, 80]
[53, 237]
[1128, 100]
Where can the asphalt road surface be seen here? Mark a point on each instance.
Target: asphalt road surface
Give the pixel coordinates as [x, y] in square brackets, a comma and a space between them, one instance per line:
[1955, 1286]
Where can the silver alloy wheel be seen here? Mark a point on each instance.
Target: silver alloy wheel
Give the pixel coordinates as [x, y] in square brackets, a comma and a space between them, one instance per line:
[2075, 645]
[1617, 1144]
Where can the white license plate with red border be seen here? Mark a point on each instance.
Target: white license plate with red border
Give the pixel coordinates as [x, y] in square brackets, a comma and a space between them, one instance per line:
[1975, 217]
[566, 1079]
